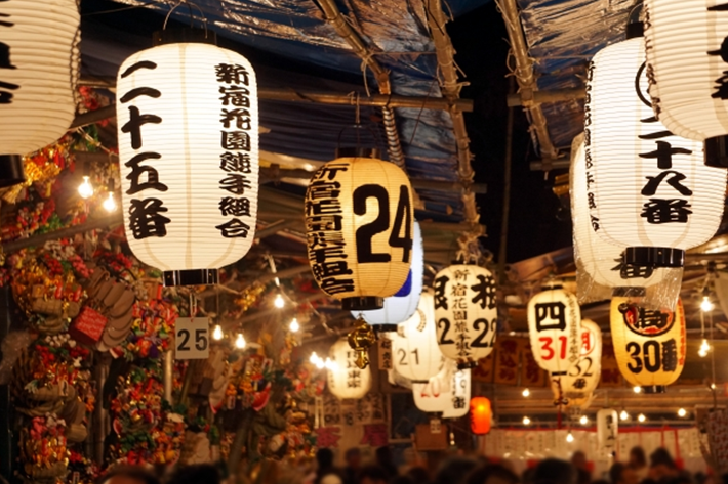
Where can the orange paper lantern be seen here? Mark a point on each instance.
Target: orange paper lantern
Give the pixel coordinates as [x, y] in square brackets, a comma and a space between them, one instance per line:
[480, 415]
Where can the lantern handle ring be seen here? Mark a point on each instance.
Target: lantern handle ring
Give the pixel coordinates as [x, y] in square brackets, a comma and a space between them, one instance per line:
[192, 16]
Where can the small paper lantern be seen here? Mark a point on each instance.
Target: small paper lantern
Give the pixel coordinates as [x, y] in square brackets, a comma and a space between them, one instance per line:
[414, 350]
[582, 378]
[402, 305]
[686, 56]
[554, 330]
[448, 393]
[607, 430]
[466, 314]
[480, 415]
[600, 270]
[188, 145]
[649, 345]
[359, 225]
[345, 379]
[648, 190]
[38, 73]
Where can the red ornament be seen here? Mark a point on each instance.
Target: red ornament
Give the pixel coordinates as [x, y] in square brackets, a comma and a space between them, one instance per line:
[480, 415]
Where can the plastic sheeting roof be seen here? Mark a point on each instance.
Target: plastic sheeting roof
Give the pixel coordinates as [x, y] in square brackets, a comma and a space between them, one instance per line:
[296, 29]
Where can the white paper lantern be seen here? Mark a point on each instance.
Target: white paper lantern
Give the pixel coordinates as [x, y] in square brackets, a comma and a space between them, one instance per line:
[359, 226]
[188, 147]
[554, 329]
[402, 305]
[38, 73]
[687, 58]
[345, 379]
[448, 393]
[466, 314]
[582, 378]
[601, 260]
[414, 348]
[648, 190]
[607, 430]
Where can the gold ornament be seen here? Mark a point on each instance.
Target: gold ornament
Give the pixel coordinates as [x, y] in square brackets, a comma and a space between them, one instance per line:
[360, 340]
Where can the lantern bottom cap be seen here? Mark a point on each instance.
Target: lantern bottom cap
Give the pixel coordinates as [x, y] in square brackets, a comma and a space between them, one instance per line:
[190, 277]
[654, 257]
[464, 365]
[362, 303]
[12, 170]
[629, 292]
[384, 328]
[653, 389]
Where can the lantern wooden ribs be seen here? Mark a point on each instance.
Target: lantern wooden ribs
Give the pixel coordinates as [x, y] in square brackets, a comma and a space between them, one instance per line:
[582, 378]
[649, 345]
[414, 349]
[359, 227]
[481, 415]
[447, 394]
[188, 144]
[648, 190]
[38, 72]
[554, 330]
[466, 314]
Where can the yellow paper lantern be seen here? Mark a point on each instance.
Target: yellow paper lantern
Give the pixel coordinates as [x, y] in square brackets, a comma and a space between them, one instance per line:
[466, 314]
[359, 224]
[649, 345]
[345, 379]
[554, 330]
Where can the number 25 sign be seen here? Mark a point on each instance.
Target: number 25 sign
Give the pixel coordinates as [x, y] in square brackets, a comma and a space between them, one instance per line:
[191, 338]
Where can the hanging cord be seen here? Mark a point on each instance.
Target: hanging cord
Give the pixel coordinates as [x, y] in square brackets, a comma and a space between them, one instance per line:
[192, 17]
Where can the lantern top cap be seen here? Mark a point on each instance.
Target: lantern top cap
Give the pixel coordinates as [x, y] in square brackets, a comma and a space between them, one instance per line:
[358, 152]
[635, 30]
[12, 170]
[183, 36]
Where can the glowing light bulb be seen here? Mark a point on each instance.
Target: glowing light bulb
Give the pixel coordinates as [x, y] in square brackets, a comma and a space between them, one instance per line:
[240, 341]
[623, 416]
[331, 365]
[293, 326]
[526, 392]
[85, 189]
[569, 437]
[704, 348]
[314, 358]
[712, 386]
[217, 333]
[682, 412]
[279, 302]
[584, 420]
[110, 203]
[526, 420]
[637, 389]
[641, 418]
[706, 305]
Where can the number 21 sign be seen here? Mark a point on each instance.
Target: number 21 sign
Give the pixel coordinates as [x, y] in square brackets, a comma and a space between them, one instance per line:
[191, 338]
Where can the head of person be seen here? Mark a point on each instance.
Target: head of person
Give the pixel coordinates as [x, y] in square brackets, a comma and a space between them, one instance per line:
[419, 475]
[353, 458]
[455, 469]
[492, 474]
[622, 474]
[578, 460]
[128, 475]
[637, 458]
[555, 471]
[373, 475]
[197, 474]
[661, 457]
[324, 458]
[383, 456]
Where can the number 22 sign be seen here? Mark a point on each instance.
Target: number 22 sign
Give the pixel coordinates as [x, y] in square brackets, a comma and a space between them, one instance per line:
[191, 338]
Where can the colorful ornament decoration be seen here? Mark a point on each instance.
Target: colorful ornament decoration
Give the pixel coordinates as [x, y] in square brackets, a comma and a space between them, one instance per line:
[415, 352]
[402, 305]
[685, 64]
[345, 379]
[180, 104]
[466, 314]
[649, 345]
[359, 224]
[554, 328]
[647, 189]
[447, 394]
[582, 378]
[31, 75]
[481, 415]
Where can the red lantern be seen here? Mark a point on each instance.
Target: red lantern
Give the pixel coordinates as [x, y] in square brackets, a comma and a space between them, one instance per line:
[480, 415]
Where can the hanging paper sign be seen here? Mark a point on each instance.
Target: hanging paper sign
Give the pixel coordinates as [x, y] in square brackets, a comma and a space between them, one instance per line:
[188, 146]
[191, 338]
[359, 225]
[466, 314]
[384, 354]
[484, 371]
[554, 330]
[649, 345]
[607, 429]
[506, 360]
[532, 375]
[416, 355]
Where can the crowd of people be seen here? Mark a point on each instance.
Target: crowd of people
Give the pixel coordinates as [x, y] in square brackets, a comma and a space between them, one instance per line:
[455, 469]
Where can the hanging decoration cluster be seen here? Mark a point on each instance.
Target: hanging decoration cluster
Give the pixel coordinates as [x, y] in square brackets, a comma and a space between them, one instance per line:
[188, 148]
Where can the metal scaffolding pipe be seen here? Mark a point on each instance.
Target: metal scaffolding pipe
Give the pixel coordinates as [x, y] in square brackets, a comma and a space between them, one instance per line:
[525, 77]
